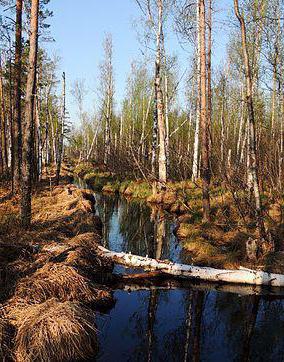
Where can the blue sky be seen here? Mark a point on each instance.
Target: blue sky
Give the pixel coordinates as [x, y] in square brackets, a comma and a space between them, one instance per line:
[79, 28]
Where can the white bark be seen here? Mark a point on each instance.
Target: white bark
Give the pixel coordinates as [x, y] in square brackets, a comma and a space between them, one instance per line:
[240, 276]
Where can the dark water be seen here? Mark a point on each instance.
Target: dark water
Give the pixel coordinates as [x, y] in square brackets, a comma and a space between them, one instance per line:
[187, 324]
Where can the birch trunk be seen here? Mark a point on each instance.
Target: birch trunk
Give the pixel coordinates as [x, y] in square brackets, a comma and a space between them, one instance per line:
[240, 276]
[159, 100]
[253, 166]
[60, 149]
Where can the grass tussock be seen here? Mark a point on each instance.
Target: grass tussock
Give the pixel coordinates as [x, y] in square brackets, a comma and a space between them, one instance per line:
[4, 336]
[56, 280]
[55, 331]
[47, 274]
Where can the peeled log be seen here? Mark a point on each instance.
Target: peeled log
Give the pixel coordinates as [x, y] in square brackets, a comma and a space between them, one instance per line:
[240, 276]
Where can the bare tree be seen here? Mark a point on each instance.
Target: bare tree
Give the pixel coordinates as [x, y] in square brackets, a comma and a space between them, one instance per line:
[253, 165]
[107, 89]
[17, 122]
[159, 97]
[27, 165]
[60, 131]
[204, 120]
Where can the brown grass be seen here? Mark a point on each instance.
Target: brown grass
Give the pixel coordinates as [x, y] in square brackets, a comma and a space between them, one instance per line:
[3, 338]
[56, 280]
[55, 331]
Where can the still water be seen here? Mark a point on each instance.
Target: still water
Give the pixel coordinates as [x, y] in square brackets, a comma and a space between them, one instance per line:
[186, 324]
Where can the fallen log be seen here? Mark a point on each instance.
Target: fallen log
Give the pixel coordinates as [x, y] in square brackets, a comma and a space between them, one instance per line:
[240, 276]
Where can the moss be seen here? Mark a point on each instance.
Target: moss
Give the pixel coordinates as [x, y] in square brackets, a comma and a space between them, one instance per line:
[185, 231]
[97, 180]
[83, 169]
[123, 186]
[136, 189]
[111, 187]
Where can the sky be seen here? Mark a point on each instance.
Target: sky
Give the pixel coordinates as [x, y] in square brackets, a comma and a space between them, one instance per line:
[79, 28]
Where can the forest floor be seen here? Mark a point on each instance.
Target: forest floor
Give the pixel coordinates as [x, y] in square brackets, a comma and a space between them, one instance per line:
[220, 243]
[51, 276]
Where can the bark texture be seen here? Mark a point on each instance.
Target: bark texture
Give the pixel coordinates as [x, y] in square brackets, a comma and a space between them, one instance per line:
[29, 118]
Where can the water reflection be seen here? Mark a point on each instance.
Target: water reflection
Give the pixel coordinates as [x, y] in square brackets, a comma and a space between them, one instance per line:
[179, 324]
[188, 325]
[135, 227]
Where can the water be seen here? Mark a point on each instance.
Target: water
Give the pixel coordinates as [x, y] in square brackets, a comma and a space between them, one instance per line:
[185, 324]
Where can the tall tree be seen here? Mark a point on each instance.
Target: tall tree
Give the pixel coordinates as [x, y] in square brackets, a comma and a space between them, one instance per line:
[195, 163]
[253, 164]
[27, 164]
[159, 97]
[107, 89]
[60, 131]
[204, 119]
[17, 123]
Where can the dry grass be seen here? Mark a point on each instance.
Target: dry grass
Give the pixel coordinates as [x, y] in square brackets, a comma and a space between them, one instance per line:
[47, 275]
[55, 331]
[56, 280]
[3, 338]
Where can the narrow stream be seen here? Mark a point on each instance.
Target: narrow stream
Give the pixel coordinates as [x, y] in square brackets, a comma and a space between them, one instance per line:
[179, 324]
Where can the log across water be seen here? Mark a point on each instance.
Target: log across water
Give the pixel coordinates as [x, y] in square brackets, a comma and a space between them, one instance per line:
[240, 276]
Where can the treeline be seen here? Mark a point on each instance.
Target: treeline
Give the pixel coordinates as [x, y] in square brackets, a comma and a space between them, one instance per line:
[230, 128]
[33, 112]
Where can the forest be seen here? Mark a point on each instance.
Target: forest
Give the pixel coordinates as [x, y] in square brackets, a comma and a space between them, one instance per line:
[167, 199]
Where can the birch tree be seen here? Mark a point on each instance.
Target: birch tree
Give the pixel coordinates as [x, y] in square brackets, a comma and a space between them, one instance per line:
[253, 165]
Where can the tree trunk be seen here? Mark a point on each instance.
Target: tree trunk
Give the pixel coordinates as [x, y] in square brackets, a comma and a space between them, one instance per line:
[29, 118]
[17, 122]
[159, 100]
[253, 166]
[60, 149]
[195, 168]
[204, 121]
[3, 123]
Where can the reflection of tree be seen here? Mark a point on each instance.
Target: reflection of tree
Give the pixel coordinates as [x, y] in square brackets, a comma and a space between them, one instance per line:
[188, 328]
[152, 309]
[106, 206]
[267, 342]
[160, 233]
[249, 327]
[183, 342]
[198, 310]
[136, 228]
